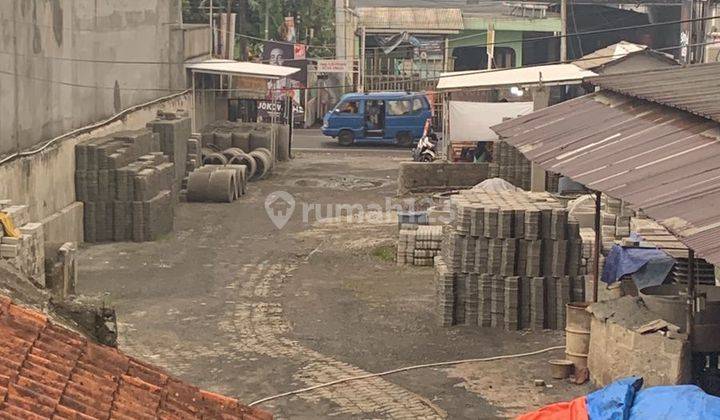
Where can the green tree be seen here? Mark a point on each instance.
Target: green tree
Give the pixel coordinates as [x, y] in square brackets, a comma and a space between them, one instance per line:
[314, 21]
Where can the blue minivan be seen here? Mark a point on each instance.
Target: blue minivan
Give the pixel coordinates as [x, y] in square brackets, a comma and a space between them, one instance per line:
[379, 116]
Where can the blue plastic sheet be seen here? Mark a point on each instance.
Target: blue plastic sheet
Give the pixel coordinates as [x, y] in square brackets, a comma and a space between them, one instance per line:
[648, 266]
[624, 400]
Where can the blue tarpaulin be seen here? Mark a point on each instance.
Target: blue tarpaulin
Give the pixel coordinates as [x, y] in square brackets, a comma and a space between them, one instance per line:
[648, 266]
[624, 399]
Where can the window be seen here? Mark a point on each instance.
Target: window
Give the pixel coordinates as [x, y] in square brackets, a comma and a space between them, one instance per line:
[348, 107]
[418, 106]
[399, 108]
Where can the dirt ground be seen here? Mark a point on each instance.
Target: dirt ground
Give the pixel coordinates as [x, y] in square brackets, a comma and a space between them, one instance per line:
[236, 305]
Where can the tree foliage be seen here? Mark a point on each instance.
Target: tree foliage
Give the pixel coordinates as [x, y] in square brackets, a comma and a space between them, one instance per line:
[314, 20]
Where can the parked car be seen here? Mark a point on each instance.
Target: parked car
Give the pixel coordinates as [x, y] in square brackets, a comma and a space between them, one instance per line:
[389, 117]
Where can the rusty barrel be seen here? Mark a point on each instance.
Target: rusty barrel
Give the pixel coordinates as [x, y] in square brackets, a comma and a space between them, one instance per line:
[577, 333]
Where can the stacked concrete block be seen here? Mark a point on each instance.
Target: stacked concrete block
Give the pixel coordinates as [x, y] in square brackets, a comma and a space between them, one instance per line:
[445, 293]
[128, 187]
[521, 254]
[419, 244]
[509, 164]
[173, 133]
[25, 252]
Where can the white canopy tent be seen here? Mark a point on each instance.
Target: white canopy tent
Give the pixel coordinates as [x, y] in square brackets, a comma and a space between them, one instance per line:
[232, 68]
[548, 75]
[241, 68]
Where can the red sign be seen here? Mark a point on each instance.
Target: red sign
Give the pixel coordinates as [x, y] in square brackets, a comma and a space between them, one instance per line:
[299, 51]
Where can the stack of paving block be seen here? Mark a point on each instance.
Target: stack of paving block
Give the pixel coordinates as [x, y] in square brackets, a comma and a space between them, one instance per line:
[419, 244]
[173, 131]
[127, 186]
[26, 252]
[623, 214]
[510, 165]
[510, 259]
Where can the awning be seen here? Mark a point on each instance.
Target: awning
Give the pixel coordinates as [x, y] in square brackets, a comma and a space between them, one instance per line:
[418, 20]
[660, 160]
[551, 74]
[241, 68]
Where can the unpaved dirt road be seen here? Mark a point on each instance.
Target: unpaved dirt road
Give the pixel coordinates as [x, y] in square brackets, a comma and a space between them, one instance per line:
[236, 305]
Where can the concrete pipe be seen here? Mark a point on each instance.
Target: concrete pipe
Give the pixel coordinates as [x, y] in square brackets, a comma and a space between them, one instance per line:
[240, 178]
[215, 159]
[223, 186]
[205, 152]
[260, 139]
[241, 140]
[269, 154]
[247, 160]
[197, 186]
[223, 140]
[283, 143]
[232, 152]
[264, 162]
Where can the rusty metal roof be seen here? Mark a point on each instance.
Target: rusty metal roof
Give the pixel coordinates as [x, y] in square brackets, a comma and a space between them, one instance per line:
[660, 160]
[693, 88]
[411, 19]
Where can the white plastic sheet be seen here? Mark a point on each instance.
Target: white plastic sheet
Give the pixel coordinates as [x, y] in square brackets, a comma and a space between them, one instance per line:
[471, 121]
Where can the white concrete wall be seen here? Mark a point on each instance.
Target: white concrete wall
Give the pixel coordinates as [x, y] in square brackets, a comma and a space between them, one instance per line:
[46, 181]
[60, 63]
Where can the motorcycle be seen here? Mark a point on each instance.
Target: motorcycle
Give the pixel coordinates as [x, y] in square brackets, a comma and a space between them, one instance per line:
[425, 150]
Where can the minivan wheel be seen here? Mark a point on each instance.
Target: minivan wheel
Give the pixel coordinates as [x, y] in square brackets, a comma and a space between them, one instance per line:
[404, 139]
[346, 138]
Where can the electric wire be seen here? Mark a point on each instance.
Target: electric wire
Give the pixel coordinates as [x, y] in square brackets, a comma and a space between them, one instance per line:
[403, 369]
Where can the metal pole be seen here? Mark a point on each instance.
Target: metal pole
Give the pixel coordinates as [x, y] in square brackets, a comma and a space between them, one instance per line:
[598, 244]
[194, 104]
[563, 30]
[691, 296]
[228, 33]
[291, 117]
[212, 31]
[362, 60]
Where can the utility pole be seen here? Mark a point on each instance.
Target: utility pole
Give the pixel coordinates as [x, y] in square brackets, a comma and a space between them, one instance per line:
[241, 23]
[212, 31]
[267, 19]
[229, 38]
[563, 30]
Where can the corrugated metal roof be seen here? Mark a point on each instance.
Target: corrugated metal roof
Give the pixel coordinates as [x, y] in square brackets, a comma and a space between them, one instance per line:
[411, 19]
[659, 160]
[618, 52]
[242, 68]
[694, 88]
[550, 74]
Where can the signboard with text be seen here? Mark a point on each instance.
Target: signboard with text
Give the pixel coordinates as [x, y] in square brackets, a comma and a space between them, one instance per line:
[333, 66]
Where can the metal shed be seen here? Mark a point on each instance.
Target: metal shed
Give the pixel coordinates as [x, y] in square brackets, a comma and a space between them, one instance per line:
[662, 161]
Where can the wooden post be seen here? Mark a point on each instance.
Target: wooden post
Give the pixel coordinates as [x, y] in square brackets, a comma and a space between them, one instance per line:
[598, 245]
[541, 99]
[691, 296]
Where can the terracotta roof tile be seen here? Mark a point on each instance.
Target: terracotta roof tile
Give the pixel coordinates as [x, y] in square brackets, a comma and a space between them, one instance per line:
[47, 371]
